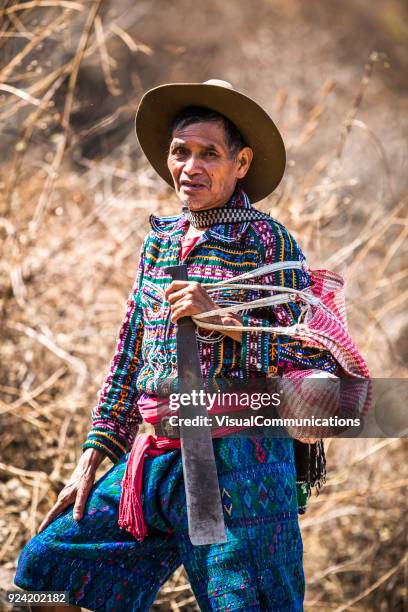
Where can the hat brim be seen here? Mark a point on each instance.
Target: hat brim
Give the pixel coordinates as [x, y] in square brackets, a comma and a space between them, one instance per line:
[160, 105]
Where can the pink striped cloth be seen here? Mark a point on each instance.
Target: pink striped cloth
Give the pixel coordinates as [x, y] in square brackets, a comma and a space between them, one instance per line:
[325, 327]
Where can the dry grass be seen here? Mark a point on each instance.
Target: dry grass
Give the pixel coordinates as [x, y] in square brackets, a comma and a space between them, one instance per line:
[71, 225]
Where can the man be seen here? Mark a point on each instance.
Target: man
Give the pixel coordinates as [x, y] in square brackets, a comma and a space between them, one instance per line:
[220, 151]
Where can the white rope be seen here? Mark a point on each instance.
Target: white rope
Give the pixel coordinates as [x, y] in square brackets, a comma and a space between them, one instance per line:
[269, 268]
[273, 300]
[286, 295]
[302, 293]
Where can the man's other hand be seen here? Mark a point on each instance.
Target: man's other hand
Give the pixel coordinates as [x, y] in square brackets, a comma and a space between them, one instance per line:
[77, 488]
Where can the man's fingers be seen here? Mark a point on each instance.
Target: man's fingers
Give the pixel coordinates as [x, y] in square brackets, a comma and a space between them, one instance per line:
[175, 286]
[187, 298]
[53, 513]
[77, 489]
[82, 495]
[177, 289]
[66, 497]
[177, 296]
[184, 309]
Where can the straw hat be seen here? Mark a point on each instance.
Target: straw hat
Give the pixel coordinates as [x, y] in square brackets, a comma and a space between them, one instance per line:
[160, 105]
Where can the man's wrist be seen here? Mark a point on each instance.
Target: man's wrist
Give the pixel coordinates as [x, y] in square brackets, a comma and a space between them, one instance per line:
[95, 456]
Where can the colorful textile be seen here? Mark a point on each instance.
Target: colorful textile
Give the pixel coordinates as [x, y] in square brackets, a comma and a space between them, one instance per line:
[145, 356]
[107, 570]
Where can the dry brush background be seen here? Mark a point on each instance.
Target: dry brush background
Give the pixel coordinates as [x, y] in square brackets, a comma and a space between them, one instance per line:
[75, 198]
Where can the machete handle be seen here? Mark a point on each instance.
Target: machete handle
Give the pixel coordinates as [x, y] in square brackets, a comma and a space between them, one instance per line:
[177, 272]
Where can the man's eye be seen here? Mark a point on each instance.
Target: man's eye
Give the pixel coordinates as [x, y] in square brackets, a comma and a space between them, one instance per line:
[210, 154]
[179, 151]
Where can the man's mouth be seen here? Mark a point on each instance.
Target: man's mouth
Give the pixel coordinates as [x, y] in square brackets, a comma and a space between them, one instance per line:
[192, 185]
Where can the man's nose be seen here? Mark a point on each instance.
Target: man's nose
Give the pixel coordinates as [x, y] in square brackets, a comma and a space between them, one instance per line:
[192, 165]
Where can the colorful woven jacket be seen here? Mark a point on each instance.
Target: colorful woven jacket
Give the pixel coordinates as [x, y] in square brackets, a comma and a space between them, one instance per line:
[145, 356]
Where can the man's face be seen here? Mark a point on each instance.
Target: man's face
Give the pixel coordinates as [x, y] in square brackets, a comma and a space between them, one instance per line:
[203, 169]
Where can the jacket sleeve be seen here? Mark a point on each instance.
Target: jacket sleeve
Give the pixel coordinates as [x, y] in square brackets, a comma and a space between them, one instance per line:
[272, 354]
[115, 418]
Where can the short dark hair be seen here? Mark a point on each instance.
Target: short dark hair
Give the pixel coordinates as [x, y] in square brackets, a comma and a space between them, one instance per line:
[197, 114]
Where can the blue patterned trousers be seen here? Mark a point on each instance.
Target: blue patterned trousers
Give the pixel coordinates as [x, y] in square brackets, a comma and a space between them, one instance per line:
[105, 569]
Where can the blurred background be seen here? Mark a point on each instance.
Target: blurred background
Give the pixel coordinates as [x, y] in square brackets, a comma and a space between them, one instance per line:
[76, 194]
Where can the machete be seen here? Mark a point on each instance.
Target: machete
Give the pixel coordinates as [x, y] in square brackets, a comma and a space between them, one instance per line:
[204, 507]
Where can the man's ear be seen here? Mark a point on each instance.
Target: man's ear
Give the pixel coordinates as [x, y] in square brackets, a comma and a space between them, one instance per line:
[245, 157]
